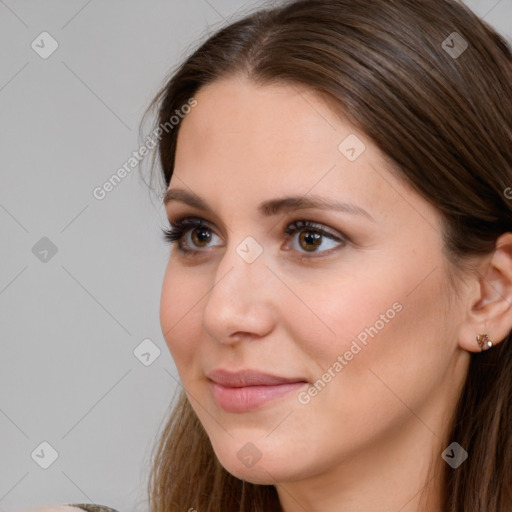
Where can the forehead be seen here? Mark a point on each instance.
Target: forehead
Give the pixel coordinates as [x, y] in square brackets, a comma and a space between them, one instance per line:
[237, 110]
[248, 143]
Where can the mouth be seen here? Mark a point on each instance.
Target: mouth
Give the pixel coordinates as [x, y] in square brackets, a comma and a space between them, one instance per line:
[246, 390]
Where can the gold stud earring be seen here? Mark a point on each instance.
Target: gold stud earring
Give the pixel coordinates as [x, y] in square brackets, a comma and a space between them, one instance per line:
[484, 342]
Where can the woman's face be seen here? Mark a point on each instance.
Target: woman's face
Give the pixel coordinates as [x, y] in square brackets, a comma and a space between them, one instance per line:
[355, 309]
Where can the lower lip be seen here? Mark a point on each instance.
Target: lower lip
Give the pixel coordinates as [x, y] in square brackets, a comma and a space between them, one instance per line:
[249, 397]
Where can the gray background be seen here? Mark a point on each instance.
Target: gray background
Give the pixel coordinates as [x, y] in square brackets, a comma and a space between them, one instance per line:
[70, 324]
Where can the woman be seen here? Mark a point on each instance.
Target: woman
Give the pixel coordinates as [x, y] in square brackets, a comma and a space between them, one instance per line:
[384, 322]
[338, 294]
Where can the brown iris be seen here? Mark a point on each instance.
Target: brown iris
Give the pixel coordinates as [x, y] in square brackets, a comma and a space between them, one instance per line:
[199, 236]
[310, 238]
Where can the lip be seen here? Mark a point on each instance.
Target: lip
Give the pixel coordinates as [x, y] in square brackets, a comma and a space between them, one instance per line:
[248, 389]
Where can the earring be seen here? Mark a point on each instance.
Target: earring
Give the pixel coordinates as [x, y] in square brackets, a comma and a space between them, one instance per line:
[484, 342]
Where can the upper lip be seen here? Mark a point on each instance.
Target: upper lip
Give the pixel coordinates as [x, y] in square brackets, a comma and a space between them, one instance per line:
[244, 378]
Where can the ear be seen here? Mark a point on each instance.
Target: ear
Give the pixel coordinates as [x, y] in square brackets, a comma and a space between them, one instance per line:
[490, 306]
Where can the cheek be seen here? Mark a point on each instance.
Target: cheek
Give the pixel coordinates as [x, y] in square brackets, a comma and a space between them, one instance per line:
[389, 335]
[180, 304]
[333, 313]
[384, 318]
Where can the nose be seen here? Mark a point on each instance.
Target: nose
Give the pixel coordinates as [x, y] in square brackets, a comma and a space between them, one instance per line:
[242, 301]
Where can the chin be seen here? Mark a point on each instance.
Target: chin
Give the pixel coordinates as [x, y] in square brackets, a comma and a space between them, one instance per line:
[265, 471]
[256, 475]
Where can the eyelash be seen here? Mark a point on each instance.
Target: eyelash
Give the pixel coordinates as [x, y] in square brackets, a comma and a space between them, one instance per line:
[182, 225]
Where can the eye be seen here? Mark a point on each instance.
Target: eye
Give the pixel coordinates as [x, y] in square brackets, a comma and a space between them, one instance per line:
[191, 233]
[313, 235]
[179, 230]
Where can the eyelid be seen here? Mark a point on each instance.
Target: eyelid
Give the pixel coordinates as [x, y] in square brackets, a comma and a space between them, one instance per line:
[303, 224]
[176, 216]
[300, 223]
[320, 226]
[193, 220]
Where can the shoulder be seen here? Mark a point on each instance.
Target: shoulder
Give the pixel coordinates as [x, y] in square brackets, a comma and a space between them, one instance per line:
[52, 508]
[78, 507]
[89, 507]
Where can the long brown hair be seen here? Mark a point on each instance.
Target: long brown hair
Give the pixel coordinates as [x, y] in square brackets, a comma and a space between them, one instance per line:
[444, 119]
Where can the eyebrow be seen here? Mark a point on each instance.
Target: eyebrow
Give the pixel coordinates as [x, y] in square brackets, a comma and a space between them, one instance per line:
[271, 206]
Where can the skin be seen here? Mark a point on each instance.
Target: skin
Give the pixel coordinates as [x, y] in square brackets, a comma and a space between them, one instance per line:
[366, 440]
